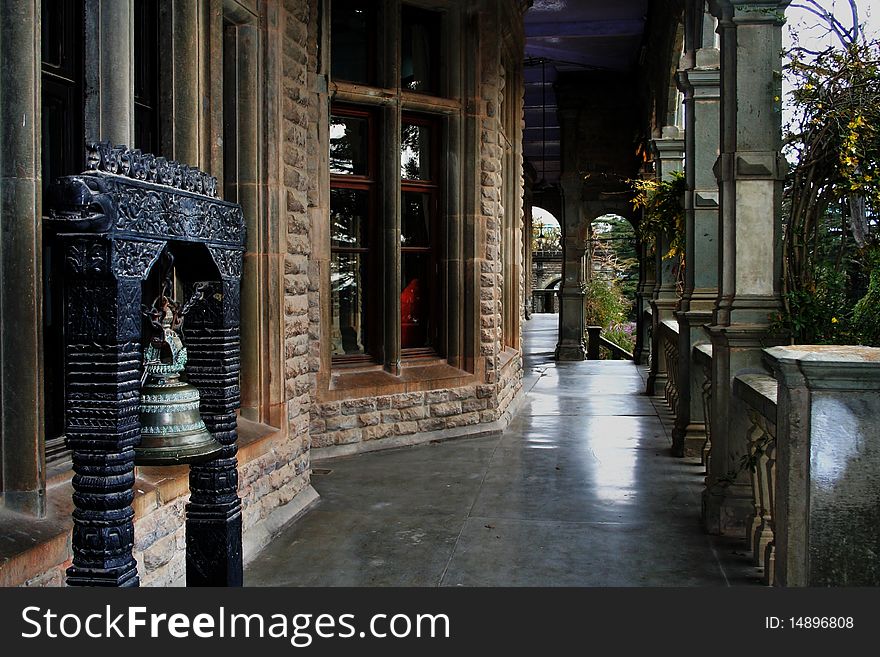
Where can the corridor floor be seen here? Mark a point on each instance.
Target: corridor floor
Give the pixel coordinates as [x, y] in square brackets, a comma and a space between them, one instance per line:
[580, 490]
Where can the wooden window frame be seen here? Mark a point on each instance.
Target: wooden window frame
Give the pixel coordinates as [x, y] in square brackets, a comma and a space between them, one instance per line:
[370, 184]
[436, 225]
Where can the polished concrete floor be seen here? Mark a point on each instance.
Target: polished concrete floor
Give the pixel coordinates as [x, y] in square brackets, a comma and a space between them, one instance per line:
[580, 490]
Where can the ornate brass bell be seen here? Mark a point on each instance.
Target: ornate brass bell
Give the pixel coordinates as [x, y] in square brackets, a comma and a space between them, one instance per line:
[172, 430]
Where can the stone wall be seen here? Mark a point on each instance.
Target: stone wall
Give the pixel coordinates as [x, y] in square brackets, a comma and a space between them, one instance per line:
[432, 413]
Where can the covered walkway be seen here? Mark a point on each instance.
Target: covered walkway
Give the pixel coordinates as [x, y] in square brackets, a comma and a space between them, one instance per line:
[580, 490]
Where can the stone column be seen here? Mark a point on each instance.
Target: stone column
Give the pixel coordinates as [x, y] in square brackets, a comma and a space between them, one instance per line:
[109, 71]
[644, 292]
[699, 79]
[750, 172]
[22, 476]
[827, 520]
[669, 150]
[572, 343]
[185, 30]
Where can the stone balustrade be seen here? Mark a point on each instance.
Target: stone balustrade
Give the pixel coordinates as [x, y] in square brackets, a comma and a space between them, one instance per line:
[669, 344]
[758, 392]
[827, 506]
[813, 455]
[702, 356]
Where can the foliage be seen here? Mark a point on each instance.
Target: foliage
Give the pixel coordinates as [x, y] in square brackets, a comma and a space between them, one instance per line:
[821, 314]
[621, 334]
[605, 306]
[866, 315]
[546, 237]
[614, 253]
[663, 204]
[832, 194]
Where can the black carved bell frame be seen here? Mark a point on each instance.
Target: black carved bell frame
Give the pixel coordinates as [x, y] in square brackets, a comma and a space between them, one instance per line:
[112, 223]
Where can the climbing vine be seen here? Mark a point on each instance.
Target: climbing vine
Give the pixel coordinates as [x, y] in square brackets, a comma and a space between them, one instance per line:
[663, 205]
[832, 194]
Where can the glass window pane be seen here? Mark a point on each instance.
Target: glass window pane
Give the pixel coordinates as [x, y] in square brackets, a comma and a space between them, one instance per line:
[415, 227]
[349, 211]
[351, 28]
[414, 300]
[420, 49]
[348, 303]
[348, 145]
[415, 152]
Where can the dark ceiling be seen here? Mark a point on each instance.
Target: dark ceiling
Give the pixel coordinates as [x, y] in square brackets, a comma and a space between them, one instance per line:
[572, 35]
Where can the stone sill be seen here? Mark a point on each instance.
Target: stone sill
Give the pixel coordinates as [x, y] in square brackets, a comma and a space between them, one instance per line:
[506, 357]
[31, 546]
[416, 375]
[826, 367]
[759, 392]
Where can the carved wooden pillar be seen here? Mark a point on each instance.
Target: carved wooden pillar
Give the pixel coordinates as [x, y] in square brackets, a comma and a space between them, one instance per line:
[213, 515]
[102, 374]
[115, 220]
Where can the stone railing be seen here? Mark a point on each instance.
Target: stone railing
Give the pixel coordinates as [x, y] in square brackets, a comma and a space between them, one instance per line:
[596, 341]
[668, 342]
[826, 507]
[703, 358]
[758, 392]
[812, 452]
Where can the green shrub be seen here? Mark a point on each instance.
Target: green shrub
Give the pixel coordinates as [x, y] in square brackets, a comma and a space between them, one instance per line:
[606, 306]
[866, 315]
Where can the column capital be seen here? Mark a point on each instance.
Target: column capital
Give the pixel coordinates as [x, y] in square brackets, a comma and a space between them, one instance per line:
[669, 149]
[700, 82]
[749, 11]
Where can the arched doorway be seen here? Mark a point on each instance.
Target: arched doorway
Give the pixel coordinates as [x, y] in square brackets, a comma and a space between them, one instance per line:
[546, 259]
[612, 282]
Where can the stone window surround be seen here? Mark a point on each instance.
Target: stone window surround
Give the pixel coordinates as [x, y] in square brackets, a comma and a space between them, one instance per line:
[395, 372]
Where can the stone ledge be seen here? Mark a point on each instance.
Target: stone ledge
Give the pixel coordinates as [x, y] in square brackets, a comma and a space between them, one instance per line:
[703, 353]
[415, 376]
[826, 367]
[759, 392]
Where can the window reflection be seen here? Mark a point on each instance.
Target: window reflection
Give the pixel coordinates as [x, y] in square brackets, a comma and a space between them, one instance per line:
[415, 227]
[349, 211]
[415, 152]
[348, 145]
[414, 300]
[348, 275]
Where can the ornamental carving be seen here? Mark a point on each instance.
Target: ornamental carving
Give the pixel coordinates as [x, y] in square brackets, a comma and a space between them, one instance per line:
[131, 163]
[87, 257]
[228, 261]
[115, 220]
[135, 259]
[126, 191]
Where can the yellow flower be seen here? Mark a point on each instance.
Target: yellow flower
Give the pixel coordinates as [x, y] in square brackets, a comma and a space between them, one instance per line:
[834, 320]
